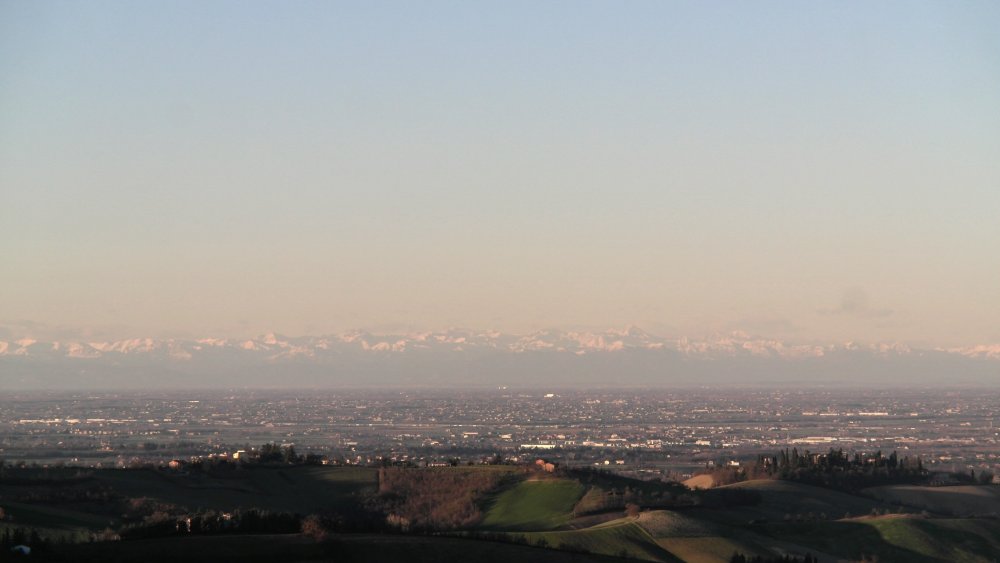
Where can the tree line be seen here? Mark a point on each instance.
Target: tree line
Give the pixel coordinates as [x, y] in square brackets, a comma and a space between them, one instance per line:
[249, 521]
[834, 469]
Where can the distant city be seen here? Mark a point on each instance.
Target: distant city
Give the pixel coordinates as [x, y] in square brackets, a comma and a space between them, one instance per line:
[645, 434]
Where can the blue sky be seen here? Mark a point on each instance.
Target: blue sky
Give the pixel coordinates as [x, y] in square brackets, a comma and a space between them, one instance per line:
[690, 167]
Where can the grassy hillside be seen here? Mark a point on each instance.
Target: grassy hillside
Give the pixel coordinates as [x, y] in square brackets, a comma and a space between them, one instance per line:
[23, 514]
[619, 537]
[668, 524]
[694, 540]
[301, 489]
[436, 499]
[68, 509]
[533, 505]
[53, 523]
[949, 540]
[767, 517]
[294, 548]
[958, 500]
[778, 499]
[898, 538]
[700, 482]
[698, 540]
[717, 549]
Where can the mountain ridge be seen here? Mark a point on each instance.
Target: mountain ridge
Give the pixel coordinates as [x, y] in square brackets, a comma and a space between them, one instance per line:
[471, 358]
[458, 340]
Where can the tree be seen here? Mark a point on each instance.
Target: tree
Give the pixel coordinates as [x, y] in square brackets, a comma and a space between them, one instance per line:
[632, 510]
[313, 527]
[270, 453]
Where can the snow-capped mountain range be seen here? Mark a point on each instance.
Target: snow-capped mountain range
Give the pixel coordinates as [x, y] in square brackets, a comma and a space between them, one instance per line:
[275, 347]
[453, 357]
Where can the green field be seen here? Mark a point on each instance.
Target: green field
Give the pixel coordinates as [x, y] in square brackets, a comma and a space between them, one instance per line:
[533, 505]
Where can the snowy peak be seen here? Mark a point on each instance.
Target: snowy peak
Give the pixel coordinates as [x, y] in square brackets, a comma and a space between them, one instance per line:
[984, 351]
[459, 358]
[276, 347]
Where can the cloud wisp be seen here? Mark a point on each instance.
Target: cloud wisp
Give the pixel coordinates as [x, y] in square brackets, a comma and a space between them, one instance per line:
[855, 303]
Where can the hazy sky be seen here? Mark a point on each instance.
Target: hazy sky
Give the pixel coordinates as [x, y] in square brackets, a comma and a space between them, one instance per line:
[807, 170]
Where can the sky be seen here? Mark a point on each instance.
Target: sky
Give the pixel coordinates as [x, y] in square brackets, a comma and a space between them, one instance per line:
[820, 171]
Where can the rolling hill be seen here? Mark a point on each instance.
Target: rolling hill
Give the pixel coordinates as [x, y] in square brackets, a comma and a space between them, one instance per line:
[541, 504]
[962, 500]
[523, 511]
